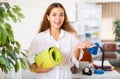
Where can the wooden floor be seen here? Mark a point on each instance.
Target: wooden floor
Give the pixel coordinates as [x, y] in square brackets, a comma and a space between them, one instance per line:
[118, 69]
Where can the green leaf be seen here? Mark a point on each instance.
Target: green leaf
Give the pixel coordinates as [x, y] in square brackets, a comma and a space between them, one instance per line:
[21, 15]
[6, 15]
[8, 26]
[11, 37]
[11, 62]
[3, 37]
[15, 10]
[18, 44]
[14, 18]
[12, 55]
[3, 64]
[3, 68]
[16, 67]
[23, 64]
[17, 7]
[9, 12]
[3, 52]
[1, 19]
[2, 10]
[8, 46]
[0, 36]
[9, 32]
[7, 5]
[22, 60]
[8, 63]
[2, 60]
[23, 53]
[16, 50]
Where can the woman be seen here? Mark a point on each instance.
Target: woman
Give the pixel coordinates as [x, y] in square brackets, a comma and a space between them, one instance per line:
[56, 31]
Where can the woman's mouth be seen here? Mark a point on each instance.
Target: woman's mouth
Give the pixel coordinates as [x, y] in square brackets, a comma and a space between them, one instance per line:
[57, 23]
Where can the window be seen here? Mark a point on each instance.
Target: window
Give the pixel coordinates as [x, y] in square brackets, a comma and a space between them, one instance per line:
[110, 12]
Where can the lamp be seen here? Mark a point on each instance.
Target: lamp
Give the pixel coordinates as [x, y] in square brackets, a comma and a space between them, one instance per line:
[94, 51]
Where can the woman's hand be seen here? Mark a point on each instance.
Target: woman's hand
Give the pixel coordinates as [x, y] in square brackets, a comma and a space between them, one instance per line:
[39, 69]
[83, 45]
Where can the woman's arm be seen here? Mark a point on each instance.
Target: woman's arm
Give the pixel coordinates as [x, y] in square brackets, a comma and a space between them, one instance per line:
[77, 53]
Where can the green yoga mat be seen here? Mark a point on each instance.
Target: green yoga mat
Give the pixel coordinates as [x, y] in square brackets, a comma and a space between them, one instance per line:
[50, 57]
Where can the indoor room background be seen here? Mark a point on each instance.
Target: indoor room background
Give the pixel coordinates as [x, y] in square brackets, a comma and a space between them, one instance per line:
[97, 15]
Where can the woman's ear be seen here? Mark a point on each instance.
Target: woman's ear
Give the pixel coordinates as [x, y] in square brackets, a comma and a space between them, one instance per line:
[48, 17]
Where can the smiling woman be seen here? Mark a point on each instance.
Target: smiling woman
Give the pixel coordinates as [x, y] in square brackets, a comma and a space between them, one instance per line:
[56, 31]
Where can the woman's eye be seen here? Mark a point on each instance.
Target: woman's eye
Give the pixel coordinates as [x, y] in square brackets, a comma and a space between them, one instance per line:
[62, 15]
[54, 14]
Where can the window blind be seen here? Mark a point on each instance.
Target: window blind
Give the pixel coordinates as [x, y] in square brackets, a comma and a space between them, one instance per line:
[110, 12]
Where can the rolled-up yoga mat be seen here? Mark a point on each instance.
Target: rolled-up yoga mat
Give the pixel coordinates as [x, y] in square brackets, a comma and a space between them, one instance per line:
[49, 58]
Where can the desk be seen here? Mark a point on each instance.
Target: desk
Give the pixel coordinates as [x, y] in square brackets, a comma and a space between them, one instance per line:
[107, 75]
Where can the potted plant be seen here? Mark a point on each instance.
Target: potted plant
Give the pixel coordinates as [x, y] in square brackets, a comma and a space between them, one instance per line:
[117, 35]
[11, 55]
[117, 29]
[117, 32]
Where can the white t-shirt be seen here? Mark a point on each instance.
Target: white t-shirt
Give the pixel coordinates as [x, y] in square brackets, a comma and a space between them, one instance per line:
[66, 43]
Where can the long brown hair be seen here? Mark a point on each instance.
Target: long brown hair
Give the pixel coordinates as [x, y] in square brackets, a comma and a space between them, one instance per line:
[46, 24]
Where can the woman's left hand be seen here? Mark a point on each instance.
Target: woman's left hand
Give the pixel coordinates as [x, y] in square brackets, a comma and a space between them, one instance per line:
[85, 44]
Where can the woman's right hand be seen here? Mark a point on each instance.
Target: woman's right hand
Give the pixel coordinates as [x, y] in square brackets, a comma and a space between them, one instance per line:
[39, 69]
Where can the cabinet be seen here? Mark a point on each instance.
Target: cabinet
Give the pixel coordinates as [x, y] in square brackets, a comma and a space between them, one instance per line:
[89, 16]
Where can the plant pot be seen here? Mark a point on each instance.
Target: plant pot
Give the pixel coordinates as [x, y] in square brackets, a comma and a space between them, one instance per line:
[11, 75]
[5, 75]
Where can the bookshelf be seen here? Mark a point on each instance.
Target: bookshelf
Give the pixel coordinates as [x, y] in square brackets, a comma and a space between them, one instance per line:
[89, 16]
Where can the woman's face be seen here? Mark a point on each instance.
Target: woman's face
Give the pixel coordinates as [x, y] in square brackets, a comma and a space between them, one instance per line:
[56, 18]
